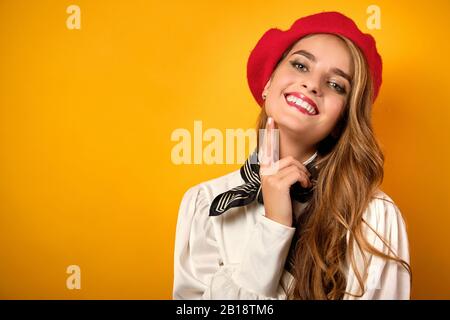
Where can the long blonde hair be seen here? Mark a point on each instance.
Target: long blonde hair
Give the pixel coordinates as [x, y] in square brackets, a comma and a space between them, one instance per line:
[350, 165]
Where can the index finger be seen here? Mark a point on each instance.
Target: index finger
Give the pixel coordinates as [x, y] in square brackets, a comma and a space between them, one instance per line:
[269, 148]
[264, 151]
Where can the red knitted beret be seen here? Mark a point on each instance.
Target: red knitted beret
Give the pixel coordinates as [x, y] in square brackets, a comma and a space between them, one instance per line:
[270, 48]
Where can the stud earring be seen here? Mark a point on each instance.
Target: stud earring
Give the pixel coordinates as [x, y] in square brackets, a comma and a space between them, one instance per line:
[264, 96]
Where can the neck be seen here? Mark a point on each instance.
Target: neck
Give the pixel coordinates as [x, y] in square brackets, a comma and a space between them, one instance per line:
[289, 146]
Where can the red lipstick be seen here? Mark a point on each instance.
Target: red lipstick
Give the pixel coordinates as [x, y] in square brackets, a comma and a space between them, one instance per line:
[301, 96]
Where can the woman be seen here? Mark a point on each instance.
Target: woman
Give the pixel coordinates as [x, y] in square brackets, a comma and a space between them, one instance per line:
[314, 224]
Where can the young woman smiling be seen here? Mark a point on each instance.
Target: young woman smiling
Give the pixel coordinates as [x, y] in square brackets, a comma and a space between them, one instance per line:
[318, 226]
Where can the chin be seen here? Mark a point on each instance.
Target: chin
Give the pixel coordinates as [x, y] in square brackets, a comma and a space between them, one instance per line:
[291, 124]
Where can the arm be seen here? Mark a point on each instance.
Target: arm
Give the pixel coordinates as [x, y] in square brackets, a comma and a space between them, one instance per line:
[199, 272]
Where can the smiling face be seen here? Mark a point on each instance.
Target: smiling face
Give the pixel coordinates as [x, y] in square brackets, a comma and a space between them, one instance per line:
[309, 88]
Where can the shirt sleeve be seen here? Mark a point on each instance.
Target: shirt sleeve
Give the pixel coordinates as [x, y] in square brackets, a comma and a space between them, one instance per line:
[199, 272]
[385, 279]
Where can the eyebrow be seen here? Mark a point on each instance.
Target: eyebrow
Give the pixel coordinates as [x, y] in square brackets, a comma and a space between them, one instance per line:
[311, 57]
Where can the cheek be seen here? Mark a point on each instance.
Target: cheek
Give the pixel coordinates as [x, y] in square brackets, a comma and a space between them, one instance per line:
[334, 106]
[282, 80]
[272, 110]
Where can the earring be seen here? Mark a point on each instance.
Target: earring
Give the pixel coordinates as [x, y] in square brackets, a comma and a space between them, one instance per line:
[264, 97]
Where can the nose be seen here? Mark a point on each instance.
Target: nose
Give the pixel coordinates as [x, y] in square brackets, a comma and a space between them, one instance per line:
[313, 90]
[312, 85]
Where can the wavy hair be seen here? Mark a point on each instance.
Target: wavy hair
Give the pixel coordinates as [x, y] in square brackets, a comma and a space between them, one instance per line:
[348, 159]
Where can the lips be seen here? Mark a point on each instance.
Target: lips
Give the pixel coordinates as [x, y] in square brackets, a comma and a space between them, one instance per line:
[302, 101]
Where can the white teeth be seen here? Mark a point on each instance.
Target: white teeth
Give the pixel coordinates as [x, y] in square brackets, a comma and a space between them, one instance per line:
[307, 107]
[299, 102]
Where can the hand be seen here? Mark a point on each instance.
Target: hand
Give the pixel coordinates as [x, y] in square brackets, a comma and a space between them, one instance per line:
[277, 177]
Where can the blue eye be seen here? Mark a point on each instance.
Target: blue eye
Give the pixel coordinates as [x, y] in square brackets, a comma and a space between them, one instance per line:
[337, 87]
[298, 65]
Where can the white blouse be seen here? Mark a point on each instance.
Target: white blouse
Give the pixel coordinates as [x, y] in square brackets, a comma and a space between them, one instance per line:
[241, 254]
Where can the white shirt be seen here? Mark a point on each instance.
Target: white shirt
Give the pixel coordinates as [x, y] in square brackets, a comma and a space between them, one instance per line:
[241, 254]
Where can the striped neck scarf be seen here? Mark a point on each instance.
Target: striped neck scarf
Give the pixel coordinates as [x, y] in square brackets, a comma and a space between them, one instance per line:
[251, 189]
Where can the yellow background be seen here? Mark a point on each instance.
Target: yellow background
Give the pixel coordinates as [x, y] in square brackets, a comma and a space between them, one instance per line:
[86, 176]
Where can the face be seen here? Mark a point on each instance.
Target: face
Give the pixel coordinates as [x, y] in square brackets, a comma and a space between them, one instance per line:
[309, 89]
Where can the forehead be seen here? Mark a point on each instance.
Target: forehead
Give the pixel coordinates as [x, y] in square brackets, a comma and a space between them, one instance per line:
[329, 50]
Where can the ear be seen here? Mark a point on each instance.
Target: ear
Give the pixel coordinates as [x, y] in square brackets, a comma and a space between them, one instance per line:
[266, 87]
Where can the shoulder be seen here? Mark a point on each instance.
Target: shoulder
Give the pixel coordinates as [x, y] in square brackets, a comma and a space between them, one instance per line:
[197, 199]
[207, 190]
[382, 208]
[193, 212]
[384, 219]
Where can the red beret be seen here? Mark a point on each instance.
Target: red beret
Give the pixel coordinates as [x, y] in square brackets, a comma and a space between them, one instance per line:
[270, 48]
